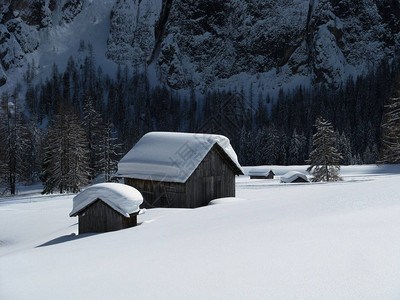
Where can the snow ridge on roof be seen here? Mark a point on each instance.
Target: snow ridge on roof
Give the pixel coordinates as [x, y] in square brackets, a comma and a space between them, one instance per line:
[123, 198]
[171, 156]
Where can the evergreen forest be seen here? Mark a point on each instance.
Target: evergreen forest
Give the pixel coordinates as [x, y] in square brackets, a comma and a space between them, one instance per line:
[82, 121]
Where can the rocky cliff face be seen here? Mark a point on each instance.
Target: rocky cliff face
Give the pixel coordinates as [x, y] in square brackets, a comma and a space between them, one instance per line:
[203, 42]
[21, 22]
[206, 44]
[132, 35]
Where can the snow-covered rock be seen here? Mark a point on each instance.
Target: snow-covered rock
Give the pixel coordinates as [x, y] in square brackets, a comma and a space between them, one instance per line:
[71, 9]
[3, 77]
[27, 36]
[123, 198]
[132, 34]
[11, 53]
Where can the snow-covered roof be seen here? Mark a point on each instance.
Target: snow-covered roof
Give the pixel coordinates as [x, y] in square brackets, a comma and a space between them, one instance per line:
[121, 197]
[292, 176]
[259, 172]
[172, 156]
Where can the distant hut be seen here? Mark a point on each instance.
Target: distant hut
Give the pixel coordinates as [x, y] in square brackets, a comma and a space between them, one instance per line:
[181, 170]
[261, 174]
[294, 177]
[106, 207]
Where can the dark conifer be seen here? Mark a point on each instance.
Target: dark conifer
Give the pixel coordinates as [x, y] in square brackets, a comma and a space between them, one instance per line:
[324, 158]
[109, 152]
[92, 123]
[65, 162]
[15, 138]
[391, 132]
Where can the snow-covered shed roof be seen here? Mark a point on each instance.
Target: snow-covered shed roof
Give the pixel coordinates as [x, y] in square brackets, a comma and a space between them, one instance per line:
[259, 172]
[292, 176]
[172, 156]
[121, 197]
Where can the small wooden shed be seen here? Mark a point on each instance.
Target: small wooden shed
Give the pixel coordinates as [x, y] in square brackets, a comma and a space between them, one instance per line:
[261, 174]
[294, 177]
[106, 207]
[181, 170]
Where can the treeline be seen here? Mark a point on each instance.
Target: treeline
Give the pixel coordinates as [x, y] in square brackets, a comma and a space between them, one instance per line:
[70, 152]
[355, 110]
[125, 107]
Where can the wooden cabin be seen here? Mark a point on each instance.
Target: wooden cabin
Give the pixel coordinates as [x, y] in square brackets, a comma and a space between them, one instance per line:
[261, 174]
[181, 170]
[106, 207]
[294, 177]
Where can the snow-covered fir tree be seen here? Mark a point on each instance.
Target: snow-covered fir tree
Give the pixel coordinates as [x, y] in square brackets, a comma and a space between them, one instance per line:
[109, 152]
[14, 138]
[344, 147]
[92, 123]
[371, 155]
[273, 147]
[324, 158]
[34, 152]
[65, 163]
[296, 148]
[3, 164]
[390, 153]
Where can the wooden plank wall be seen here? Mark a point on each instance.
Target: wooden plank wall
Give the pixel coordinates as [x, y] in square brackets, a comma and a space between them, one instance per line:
[212, 179]
[99, 217]
[159, 194]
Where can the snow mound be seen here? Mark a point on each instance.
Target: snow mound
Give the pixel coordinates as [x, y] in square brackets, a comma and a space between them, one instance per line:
[226, 200]
[123, 198]
[292, 176]
[171, 156]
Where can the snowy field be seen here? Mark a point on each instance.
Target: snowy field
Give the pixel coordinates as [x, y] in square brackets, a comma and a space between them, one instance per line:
[286, 241]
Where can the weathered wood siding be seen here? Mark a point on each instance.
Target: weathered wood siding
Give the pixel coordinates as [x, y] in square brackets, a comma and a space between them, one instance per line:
[213, 178]
[299, 179]
[159, 194]
[100, 217]
[258, 177]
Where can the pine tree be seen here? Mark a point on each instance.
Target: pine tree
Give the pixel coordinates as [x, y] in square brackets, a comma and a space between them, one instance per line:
[344, 147]
[324, 158]
[92, 123]
[390, 153]
[273, 147]
[109, 151]
[296, 148]
[33, 152]
[65, 162]
[368, 156]
[3, 164]
[14, 137]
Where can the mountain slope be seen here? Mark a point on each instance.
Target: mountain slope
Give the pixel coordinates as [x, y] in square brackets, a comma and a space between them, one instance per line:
[208, 44]
[49, 32]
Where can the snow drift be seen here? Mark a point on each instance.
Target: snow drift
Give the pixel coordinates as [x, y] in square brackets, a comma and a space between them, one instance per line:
[313, 241]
